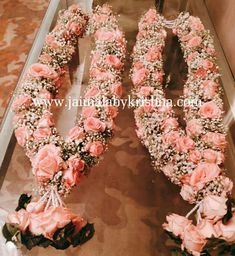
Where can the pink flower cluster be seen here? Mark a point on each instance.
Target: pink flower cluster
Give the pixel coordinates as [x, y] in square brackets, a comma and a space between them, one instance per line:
[195, 237]
[45, 222]
[192, 158]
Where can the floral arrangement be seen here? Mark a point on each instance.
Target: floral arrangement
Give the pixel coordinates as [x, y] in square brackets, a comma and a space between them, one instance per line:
[56, 226]
[58, 163]
[192, 157]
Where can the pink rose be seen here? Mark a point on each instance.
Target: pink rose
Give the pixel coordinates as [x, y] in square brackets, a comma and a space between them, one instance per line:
[76, 133]
[95, 148]
[170, 137]
[207, 64]
[195, 23]
[145, 91]
[193, 240]
[210, 110]
[94, 124]
[100, 18]
[194, 42]
[187, 193]
[188, 36]
[139, 76]
[194, 156]
[138, 65]
[207, 229]
[153, 54]
[71, 177]
[204, 173]
[42, 70]
[21, 101]
[47, 222]
[194, 127]
[46, 162]
[46, 121]
[75, 28]
[114, 61]
[112, 111]
[89, 111]
[76, 164]
[212, 156]
[21, 218]
[147, 106]
[201, 72]
[168, 169]
[169, 124]
[41, 133]
[104, 34]
[183, 144]
[117, 89]
[22, 135]
[214, 207]
[92, 92]
[176, 224]
[209, 88]
[228, 230]
[191, 57]
[215, 139]
[150, 16]
[141, 34]
[51, 41]
[101, 75]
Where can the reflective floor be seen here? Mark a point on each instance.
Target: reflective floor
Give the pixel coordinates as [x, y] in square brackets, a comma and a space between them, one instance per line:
[124, 198]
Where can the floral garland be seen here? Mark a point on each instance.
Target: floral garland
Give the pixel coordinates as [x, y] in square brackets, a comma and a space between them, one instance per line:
[57, 163]
[193, 158]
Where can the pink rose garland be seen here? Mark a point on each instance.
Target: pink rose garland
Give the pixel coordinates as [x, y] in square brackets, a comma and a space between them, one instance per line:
[57, 163]
[193, 158]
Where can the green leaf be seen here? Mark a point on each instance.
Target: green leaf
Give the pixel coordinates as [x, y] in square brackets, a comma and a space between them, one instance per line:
[176, 239]
[60, 238]
[23, 201]
[85, 234]
[229, 213]
[44, 242]
[62, 245]
[11, 230]
[30, 240]
[65, 232]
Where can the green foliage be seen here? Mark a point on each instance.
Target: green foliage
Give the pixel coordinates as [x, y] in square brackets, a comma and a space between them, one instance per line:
[23, 201]
[85, 234]
[62, 238]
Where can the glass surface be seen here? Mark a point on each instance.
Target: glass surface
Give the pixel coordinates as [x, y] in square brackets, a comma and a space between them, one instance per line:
[122, 196]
